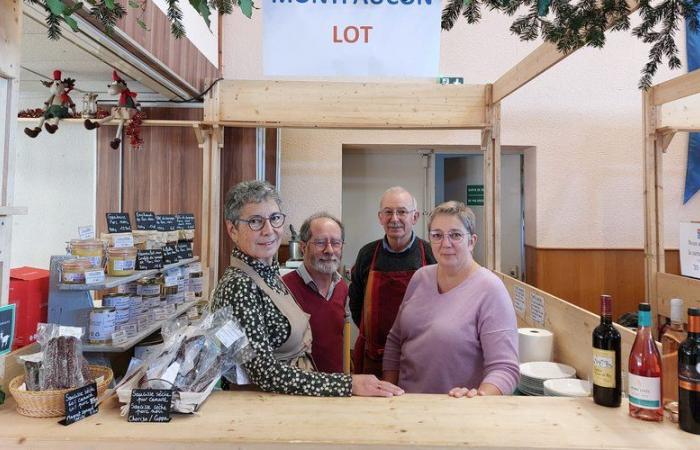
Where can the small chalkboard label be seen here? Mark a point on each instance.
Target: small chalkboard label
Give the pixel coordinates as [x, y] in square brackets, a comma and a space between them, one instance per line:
[80, 403]
[150, 405]
[118, 223]
[184, 249]
[170, 255]
[149, 259]
[166, 222]
[145, 220]
[185, 221]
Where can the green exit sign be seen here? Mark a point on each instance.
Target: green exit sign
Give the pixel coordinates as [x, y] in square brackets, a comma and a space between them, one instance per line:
[475, 195]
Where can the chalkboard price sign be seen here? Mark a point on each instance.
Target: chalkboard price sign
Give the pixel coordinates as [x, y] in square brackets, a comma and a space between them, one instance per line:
[145, 220]
[80, 403]
[185, 221]
[149, 259]
[150, 405]
[170, 255]
[184, 249]
[166, 222]
[118, 222]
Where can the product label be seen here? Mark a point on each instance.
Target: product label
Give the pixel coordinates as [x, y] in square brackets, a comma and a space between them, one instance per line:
[228, 334]
[196, 285]
[86, 232]
[644, 392]
[73, 277]
[125, 264]
[148, 289]
[119, 337]
[171, 280]
[519, 300]
[126, 240]
[537, 311]
[604, 368]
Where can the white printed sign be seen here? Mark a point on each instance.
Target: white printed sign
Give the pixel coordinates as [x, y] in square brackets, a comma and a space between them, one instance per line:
[537, 309]
[361, 38]
[519, 300]
[86, 232]
[690, 249]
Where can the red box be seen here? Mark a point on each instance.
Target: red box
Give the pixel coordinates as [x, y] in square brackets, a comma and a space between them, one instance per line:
[29, 290]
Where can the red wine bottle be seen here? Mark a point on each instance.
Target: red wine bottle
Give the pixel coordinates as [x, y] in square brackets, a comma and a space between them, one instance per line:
[607, 378]
[689, 376]
[645, 371]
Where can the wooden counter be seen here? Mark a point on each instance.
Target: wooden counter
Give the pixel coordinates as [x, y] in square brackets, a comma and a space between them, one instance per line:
[242, 420]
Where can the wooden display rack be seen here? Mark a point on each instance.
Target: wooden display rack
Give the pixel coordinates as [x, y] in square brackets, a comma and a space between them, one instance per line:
[669, 107]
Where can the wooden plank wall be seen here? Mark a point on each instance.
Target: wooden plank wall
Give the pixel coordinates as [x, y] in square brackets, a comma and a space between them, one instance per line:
[572, 327]
[675, 286]
[581, 275]
[164, 177]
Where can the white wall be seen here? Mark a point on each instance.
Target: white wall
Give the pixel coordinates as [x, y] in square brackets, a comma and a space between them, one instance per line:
[583, 116]
[55, 179]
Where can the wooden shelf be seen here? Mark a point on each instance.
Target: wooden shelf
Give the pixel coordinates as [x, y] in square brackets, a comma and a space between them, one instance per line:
[111, 282]
[13, 211]
[109, 348]
[145, 123]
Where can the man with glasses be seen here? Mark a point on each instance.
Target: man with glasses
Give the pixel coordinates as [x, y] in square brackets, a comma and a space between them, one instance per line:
[319, 290]
[381, 274]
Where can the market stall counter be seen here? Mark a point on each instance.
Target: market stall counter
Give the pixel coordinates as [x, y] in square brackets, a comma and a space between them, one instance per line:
[255, 420]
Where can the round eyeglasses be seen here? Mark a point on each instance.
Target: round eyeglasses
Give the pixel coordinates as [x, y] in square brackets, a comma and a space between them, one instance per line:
[455, 236]
[256, 223]
[336, 244]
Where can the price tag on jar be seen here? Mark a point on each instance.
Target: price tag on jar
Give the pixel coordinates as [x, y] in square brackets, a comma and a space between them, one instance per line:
[143, 322]
[170, 309]
[94, 276]
[86, 232]
[192, 314]
[119, 337]
[160, 313]
[126, 240]
[171, 280]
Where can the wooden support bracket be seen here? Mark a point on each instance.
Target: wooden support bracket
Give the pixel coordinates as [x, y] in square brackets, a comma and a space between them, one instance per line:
[664, 137]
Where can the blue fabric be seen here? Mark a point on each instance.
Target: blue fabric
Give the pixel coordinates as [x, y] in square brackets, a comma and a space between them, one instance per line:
[692, 171]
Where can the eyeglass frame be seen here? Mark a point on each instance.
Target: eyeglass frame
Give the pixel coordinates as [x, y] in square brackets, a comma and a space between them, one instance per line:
[448, 235]
[390, 213]
[316, 243]
[264, 219]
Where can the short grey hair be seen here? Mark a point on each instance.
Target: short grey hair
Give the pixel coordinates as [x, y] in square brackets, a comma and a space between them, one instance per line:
[305, 230]
[456, 209]
[398, 190]
[245, 192]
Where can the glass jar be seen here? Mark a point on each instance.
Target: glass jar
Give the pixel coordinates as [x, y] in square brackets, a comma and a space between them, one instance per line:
[121, 262]
[73, 270]
[91, 249]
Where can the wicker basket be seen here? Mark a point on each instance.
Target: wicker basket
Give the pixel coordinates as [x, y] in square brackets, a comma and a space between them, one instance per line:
[52, 403]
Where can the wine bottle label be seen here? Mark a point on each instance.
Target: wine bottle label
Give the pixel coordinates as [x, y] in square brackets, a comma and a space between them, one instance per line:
[645, 392]
[689, 378]
[604, 368]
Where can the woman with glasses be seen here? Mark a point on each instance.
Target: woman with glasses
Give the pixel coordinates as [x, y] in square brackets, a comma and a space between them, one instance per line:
[456, 331]
[275, 325]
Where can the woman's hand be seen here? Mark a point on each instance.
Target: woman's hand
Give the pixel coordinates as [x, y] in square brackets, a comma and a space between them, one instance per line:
[484, 389]
[371, 386]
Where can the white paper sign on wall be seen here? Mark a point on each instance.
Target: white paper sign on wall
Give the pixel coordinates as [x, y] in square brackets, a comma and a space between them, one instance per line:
[689, 241]
[354, 38]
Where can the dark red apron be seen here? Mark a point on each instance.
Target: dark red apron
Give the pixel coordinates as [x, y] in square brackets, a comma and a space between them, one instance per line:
[383, 295]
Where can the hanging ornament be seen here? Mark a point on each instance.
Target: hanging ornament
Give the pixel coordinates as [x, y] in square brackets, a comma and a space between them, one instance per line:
[57, 105]
[126, 110]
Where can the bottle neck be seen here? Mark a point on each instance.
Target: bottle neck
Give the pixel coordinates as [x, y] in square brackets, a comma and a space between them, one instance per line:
[644, 319]
[606, 319]
[693, 326]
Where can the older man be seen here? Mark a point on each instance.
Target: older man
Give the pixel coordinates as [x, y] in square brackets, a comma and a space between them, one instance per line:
[320, 290]
[381, 274]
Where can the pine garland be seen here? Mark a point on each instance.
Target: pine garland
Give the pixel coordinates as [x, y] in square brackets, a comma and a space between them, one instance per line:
[571, 25]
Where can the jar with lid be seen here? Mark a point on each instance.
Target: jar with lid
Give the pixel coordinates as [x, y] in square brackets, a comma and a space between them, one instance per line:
[121, 261]
[73, 270]
[91, 249]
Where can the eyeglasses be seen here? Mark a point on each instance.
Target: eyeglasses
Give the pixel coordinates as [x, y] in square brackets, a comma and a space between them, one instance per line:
[455, 236]
[256, 223]
[401, 213]
[320, 244]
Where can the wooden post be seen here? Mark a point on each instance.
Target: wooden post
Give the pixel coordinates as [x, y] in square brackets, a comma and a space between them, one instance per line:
[653, 197]
[491, 146]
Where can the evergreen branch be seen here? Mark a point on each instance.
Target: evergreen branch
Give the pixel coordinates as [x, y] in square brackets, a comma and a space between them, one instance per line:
[451, 13]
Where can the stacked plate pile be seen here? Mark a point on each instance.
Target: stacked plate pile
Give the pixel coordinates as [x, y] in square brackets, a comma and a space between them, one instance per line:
[534, 374]
[567, 387]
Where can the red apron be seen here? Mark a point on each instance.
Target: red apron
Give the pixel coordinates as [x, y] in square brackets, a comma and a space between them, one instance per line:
[383, 295]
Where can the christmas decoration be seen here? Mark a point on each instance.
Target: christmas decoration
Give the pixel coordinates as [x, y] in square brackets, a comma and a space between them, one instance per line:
[126, 112]
[570, 24]
[57, 106]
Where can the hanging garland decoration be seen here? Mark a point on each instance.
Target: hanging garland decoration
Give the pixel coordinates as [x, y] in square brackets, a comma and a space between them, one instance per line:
[571, 25]
[108, 12]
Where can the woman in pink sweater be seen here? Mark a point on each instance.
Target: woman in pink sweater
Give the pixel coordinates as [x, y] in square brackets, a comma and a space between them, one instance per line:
[456, 330]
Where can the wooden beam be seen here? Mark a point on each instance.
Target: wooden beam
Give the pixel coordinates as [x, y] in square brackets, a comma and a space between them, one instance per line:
[303, 104]
[681, 115]
[677, 88]
[145, 123]
[10, 38]
[535, 63]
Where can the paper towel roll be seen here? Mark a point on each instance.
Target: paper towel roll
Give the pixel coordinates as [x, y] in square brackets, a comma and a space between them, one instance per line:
[535, 344]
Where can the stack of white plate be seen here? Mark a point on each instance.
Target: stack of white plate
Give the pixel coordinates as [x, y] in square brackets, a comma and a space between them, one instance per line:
[567, 387]
[533, 375]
